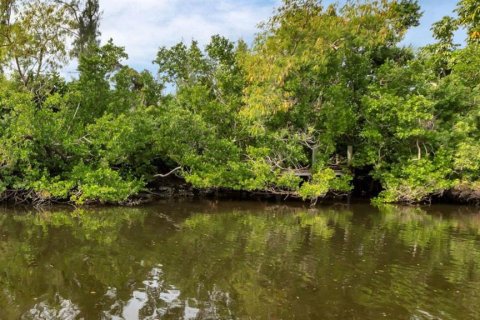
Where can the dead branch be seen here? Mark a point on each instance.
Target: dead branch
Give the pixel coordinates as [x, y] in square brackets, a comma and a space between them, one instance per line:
[168, 173]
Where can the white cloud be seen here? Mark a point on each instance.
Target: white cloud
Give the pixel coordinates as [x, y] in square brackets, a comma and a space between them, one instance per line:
[143, 26]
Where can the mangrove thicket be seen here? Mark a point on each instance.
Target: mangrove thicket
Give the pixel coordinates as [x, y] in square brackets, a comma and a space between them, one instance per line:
[324, 96]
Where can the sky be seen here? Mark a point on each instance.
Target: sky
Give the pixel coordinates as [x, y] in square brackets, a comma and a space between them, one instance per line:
[142, 26]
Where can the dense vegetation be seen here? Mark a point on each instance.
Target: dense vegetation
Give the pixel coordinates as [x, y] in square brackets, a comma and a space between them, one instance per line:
[323, 93]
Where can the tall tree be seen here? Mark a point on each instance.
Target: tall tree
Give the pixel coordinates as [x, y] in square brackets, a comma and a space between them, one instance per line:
[307, 75]
[35, 38]
[469, 16]
[88, 23]
[6, 9]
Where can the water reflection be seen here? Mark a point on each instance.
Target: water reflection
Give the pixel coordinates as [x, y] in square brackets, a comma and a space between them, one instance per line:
[209, 260]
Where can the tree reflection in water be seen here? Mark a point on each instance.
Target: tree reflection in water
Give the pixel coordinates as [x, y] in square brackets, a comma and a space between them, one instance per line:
[208, 260]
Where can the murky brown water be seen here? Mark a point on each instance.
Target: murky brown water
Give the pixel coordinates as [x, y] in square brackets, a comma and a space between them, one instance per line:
[240, 260]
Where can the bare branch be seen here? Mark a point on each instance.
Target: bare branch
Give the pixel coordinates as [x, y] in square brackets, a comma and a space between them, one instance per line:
[168, 173]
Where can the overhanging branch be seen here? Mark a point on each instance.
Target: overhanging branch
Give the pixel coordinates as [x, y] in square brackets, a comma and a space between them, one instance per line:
[168, 173]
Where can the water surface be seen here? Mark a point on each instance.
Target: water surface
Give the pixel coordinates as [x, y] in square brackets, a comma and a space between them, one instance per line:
[240, 260]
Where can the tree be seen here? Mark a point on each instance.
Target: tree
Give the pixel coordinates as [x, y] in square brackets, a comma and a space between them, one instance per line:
[308, 72]
[208, 87]
[35, 40]
[440, 53]
[87, 16]
[469, 16]
[6, 9]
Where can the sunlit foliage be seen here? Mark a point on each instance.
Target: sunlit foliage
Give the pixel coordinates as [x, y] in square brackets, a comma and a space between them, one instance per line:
[323, 93]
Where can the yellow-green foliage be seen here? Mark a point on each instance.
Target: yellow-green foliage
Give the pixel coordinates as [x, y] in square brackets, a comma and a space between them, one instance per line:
[323, 181]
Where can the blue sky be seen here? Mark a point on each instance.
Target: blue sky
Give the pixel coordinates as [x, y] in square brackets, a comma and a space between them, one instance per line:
[142, 26]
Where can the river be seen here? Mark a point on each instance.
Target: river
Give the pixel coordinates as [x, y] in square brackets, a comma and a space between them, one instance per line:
[240, 260]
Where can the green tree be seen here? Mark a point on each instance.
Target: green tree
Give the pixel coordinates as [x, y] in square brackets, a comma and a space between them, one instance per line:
[469, 16]
[35, 38]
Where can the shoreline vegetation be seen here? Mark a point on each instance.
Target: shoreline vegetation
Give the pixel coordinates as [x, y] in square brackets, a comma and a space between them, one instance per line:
[325, 103]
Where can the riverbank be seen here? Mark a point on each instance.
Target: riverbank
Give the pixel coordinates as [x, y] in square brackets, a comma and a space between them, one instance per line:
[175, 188]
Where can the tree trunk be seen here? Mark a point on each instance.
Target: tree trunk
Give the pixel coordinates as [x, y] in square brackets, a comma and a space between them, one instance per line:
[419, 151]
[314, 155]
[349, 154]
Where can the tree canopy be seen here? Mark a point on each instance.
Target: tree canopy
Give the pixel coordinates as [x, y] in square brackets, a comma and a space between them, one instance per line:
[325, 96]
